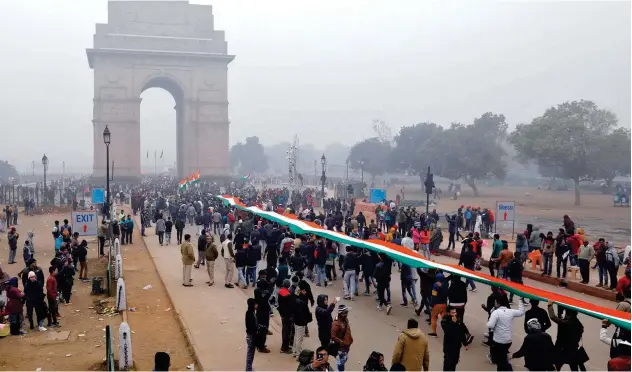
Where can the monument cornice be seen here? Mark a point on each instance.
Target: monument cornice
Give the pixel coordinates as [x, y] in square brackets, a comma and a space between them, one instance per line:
[93, 53]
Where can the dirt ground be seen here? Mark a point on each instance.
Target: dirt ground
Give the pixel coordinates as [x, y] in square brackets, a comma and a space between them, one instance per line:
[540, 207]
[154, 326]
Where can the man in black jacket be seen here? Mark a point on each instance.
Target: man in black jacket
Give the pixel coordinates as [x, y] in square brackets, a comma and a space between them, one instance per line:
[455, 334]
[302, 317]
[252, 329]
[286, 309]
[262, 298]
[538, 313]
[537, 348]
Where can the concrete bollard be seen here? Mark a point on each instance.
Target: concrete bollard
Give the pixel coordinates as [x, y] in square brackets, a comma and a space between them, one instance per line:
[117, 247]
[125, 347]
[118, 267]
[121, 300]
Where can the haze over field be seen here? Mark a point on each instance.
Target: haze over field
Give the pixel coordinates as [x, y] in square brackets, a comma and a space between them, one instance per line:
[324, 70]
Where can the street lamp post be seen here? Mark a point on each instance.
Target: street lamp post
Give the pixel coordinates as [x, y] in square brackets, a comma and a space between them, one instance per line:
[323, 178]
[106, 140]
[45, 164]
[362, 170]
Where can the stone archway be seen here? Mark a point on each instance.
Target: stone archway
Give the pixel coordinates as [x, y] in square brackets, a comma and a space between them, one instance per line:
[170, 45]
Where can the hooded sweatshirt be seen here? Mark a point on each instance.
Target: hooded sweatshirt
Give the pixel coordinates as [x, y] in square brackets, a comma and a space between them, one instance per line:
[251, 319]
[411, 350]
[323, 317]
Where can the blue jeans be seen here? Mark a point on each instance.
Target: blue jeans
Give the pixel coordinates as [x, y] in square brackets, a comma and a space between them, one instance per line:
[250, 351]
[368, 281]
[241, 275]
[349, 285]
[320, 274]
[548, 263]
[341, 360]
[563, 262]
[251, 275]
[409, 286]
[468, 281]
[603, 274]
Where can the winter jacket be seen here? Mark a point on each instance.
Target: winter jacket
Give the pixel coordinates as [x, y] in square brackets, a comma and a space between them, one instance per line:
[411, 350]
[541, 315]
[425, 237]
[240, 258]
[439, 293]
[457, 292]
[160, 226]
[351, 261]
[253, 255]
[251, 321]
[534, 240]
[14, 299]
[286, 301]
[51, 288]
[514, 270]
[454, 335]
[323, 317]
[538, 352]
[302, 316]
[382, 273]
[521, 244]
[188, 256]
[341, 334]
[548, 245]
[211, 252]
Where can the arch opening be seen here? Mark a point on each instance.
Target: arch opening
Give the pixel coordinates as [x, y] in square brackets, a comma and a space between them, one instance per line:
[161, 118]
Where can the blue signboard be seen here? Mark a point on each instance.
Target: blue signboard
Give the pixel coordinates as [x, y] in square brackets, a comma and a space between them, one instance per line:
[98, 196]
[377, 195]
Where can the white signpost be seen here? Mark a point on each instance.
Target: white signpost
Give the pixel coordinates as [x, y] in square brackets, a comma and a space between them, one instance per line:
[506, 212]
[85, 223]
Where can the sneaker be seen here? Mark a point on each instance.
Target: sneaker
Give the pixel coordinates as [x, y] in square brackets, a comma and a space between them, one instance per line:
[489, 359]
[379, 307]
[388, 309]
[287, 351]
[264, 350]
[56, 325]
[367, 294]
[432, 334]
[229, 286]
[42, 329]
[599, 285]
[404, 304]
[473, 290]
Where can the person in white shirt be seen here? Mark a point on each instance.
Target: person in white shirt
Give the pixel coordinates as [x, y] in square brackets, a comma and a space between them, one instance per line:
[501, 323]
[408, 241]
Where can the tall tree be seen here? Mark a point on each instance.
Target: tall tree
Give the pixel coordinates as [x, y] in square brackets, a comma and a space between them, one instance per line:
[249, 156]
[371, 155]
[7, 171]
[566, 136]
[474, 152]
[613, 156]
[416, 147]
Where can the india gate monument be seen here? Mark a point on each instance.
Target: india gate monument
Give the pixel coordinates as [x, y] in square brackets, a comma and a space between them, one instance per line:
[171, 45]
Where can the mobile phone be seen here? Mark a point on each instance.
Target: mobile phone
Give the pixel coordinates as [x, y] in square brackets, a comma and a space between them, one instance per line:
[319, 357]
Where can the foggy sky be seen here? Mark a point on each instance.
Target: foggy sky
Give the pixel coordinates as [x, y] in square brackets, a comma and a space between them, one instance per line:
[323, 69]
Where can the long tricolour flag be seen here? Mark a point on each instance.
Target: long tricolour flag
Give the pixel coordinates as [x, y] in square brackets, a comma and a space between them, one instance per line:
[414, 259]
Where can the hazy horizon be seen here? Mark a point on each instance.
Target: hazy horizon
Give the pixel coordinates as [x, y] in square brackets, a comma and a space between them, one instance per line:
[324, 70]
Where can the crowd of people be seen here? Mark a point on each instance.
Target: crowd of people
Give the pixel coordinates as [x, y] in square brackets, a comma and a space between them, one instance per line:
[41, 297]
[293, 263]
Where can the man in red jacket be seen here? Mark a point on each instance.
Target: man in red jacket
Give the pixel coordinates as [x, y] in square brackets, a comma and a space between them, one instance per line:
[51, 296]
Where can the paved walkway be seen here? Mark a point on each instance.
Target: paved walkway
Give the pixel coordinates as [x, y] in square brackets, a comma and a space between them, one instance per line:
[214, 320]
